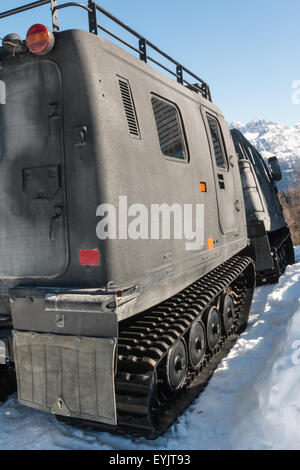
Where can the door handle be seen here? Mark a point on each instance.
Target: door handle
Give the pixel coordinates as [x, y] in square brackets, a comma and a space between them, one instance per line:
[237, 205]
[54, 219]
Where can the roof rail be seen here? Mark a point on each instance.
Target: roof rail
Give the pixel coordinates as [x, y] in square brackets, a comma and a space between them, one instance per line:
[143, 48]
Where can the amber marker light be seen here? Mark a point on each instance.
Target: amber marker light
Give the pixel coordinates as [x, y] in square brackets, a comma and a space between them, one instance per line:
[39, 39]
[203, 188]
[210, 243]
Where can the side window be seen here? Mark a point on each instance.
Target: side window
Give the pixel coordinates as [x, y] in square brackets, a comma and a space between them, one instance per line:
[217, 139]
[169, 128]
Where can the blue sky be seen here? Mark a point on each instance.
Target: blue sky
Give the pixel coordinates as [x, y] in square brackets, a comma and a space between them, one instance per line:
[247, 50]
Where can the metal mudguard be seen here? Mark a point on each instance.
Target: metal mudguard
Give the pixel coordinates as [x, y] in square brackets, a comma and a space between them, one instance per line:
[67, 375]
[260, 244]
[64, 346]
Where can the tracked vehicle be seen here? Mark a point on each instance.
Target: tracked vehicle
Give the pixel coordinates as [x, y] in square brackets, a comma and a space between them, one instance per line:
[271, 242]
[118, 331]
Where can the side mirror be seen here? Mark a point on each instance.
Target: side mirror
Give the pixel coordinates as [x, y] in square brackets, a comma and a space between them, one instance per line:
[275, 168]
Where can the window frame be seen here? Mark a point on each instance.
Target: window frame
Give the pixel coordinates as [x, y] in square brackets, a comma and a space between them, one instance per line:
[259, 163]
[264, 166]
[186, 160]
[222, 142]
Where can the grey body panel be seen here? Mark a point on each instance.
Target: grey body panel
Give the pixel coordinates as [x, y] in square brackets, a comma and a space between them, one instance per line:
[109, 163]
[69, 376]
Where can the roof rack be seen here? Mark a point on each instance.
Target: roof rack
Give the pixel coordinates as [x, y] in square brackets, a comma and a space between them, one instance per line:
[144, 46]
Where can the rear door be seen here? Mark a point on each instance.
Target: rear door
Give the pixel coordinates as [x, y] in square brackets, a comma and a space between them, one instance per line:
[33, 237]
[223, 173]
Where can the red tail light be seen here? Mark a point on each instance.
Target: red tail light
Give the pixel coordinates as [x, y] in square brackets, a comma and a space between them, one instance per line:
[40, 39]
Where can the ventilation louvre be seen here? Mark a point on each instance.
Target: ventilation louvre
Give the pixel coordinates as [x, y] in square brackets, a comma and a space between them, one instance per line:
[129, 107]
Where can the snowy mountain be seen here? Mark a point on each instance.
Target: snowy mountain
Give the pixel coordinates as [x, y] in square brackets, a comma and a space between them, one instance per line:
[275, 139]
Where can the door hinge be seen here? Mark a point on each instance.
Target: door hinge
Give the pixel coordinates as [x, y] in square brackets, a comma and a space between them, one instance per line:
[79, 135]
[56, 217]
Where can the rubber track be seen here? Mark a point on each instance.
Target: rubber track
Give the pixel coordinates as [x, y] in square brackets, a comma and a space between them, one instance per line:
[145, 340]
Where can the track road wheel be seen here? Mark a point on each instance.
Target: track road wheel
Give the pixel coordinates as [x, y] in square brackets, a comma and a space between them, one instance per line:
[228, 313]
[213, 328]
[197, 344]
[177, 365]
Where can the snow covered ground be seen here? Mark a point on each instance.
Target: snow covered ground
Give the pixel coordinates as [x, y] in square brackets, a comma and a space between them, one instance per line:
[252, 402]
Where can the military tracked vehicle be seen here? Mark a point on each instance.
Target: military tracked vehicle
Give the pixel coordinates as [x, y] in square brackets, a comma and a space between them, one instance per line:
[114, 330]
[268, 231]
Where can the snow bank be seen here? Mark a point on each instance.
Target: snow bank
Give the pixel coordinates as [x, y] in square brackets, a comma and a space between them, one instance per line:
[251, 402]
